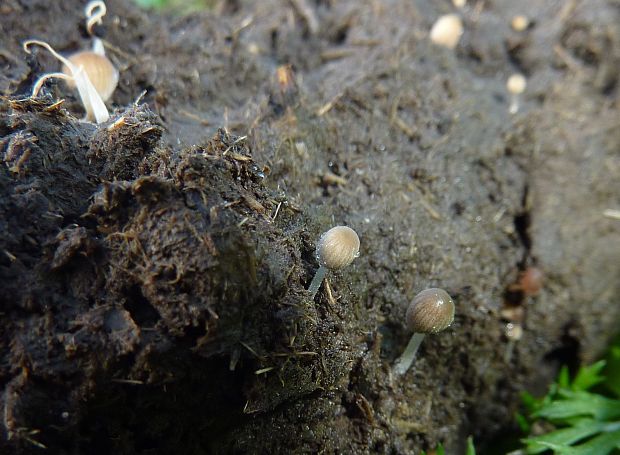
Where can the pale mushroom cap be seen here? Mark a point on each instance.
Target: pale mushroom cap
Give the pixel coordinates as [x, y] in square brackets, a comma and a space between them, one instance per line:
[338, 247]
[431, 311]
[99, 70]
[520, 23]
[459, 3]
[447, 31]
[516, 84]
[513, 332]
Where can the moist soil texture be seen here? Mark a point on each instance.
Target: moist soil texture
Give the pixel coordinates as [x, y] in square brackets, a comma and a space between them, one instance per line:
[153, 268]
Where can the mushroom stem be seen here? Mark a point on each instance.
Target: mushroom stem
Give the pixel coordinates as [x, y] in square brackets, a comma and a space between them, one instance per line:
[405, 360]
[98, 47]
[514, 104]
[315, 284]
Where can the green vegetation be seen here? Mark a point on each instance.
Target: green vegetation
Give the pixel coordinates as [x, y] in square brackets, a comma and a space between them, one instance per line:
[582, 416]
[471, 450]
[177, 6]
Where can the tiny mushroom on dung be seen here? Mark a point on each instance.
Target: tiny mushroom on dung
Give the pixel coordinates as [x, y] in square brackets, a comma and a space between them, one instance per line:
[520, 23]
[93, 104]
[513, 333]
[431, 311]
[99, 70]
[90, 71]
[335, 250]
[516, 85]
[447, 31]
[98, 67]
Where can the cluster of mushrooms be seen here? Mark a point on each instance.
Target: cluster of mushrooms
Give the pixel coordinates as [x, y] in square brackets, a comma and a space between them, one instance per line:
[431, 311]
[448, 29]
[90, 71]
[96, 78]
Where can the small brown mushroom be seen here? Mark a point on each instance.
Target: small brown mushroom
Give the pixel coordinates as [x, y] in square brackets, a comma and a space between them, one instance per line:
[93, 104]
[431, 311]
[99, 70]
[335, 250]
[91, 72]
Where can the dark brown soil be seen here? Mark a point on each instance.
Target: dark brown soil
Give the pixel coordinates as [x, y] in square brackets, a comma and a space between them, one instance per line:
[153, 268]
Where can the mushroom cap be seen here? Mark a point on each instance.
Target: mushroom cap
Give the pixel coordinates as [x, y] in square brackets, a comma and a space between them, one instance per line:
[516, 84]
[431, 311]
[338, 247]
[99, 70]
[520, 22]
[447, 31]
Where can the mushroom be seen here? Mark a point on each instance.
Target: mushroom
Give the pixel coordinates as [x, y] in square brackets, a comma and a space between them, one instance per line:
[516, 85]
[93, 104]
[90, 71]
[513, 333]
[447, 31]
[431, 311]
[98, 67]
[99, 70]
[519, 23]
[335, 250]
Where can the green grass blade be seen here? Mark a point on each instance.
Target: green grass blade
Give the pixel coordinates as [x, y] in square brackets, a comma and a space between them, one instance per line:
[576, 404]
[471, 450]
[523, 422]
[612, 370]
[563, 378]
[589, 376]
[602, 444]
[564, 436]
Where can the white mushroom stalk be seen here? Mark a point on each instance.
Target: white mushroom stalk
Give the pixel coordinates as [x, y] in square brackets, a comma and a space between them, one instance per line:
[315, 284]
[406, 359]
[516, 85]
[98, 47]
[91, 100]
